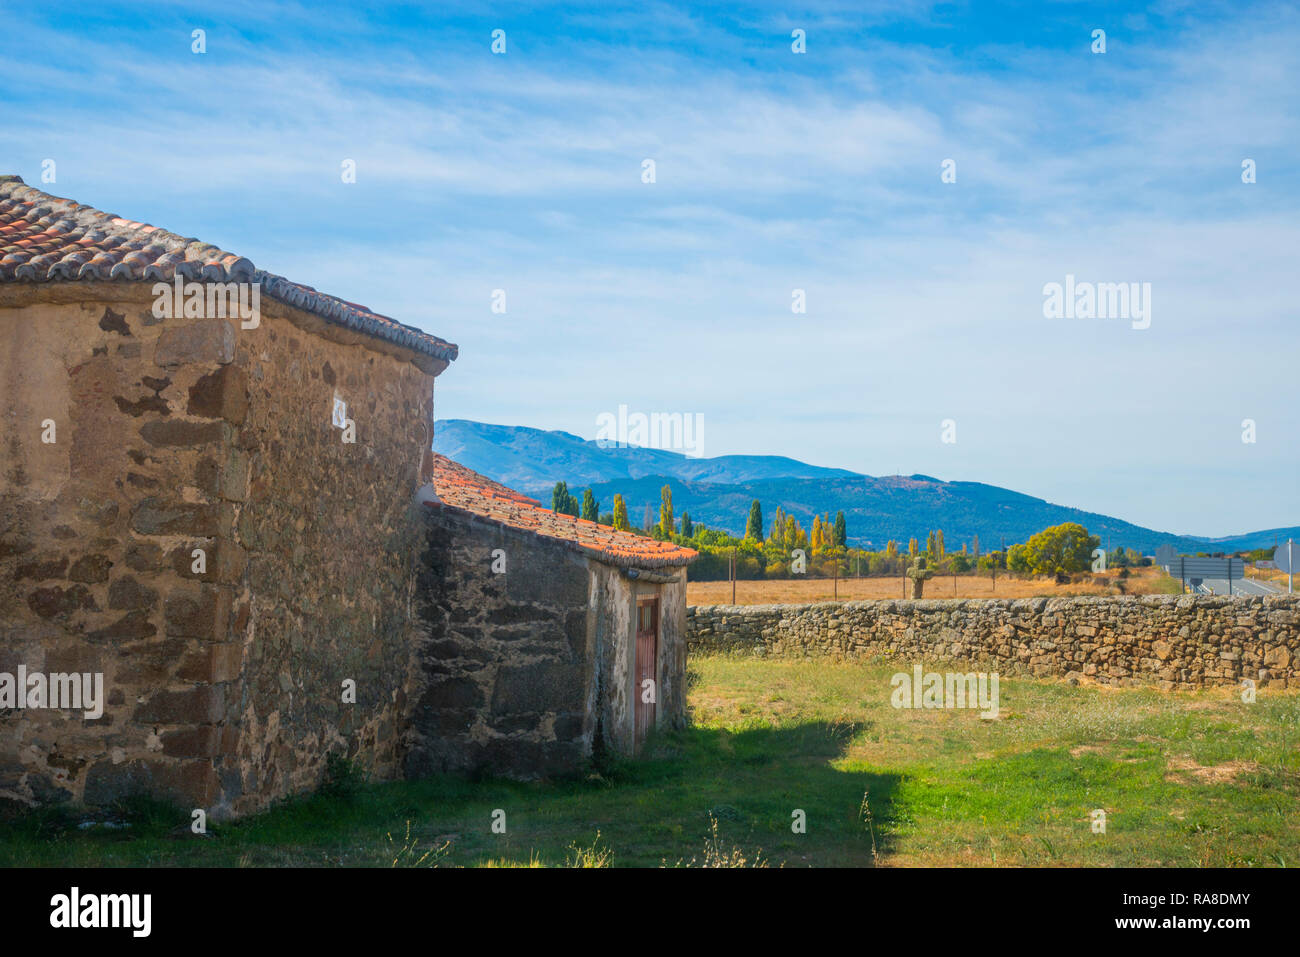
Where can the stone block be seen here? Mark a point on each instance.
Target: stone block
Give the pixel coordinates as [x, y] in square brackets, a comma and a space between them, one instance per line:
[142, 557]
[42, 569]
[205, 741]
[206, 341]
[91, 569]
[222, 394]
[55, 601]
[216, 663]
[1277, 658]
[177, 433]
[202, 614]
[202, 705]
[155, 516]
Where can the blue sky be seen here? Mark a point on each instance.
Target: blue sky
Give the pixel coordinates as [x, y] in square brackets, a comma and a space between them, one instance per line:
[775, 171]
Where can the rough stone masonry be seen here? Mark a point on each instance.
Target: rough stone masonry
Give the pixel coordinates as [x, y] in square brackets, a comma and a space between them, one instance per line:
[1170, 641]
[185, 439]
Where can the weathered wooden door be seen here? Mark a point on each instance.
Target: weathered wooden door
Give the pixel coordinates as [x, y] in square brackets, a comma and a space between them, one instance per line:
[647, 654]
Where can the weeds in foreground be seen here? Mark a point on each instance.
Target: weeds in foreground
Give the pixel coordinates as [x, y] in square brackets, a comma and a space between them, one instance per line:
[408, 854]
[865, 811]
[720, 854]
[594, 856]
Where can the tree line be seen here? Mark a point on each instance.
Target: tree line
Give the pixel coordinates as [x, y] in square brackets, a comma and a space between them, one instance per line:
[786, 549]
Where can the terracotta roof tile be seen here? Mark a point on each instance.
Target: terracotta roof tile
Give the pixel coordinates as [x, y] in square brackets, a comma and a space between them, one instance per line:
[466, 491]
[45, 238]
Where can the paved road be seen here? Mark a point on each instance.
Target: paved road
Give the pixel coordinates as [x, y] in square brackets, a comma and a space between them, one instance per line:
[1240, 586]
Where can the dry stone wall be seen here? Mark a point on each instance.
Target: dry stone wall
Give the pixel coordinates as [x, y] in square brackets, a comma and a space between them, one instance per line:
[1169, 641]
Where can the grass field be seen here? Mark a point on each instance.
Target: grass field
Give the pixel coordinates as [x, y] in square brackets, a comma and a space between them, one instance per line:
[1185, 779]
[1143, 581]
[1273, 576]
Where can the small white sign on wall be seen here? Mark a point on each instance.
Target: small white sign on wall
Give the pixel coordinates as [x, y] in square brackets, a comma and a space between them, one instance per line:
[340, 416]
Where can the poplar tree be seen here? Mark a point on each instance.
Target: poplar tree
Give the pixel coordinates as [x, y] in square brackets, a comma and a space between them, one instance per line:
[841, 530]
[620, 515]
[666, 523]
[590, 507]
[777, 535]
[754, 527]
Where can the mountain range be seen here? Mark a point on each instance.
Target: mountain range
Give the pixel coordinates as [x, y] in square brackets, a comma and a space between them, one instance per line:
[718, 491]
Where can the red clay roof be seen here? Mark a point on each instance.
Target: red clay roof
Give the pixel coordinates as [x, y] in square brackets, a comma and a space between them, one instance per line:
[467, 491]
[45, 238]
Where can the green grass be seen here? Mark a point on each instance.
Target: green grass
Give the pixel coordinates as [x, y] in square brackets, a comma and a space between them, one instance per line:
[1166, 585]
[1186, 779]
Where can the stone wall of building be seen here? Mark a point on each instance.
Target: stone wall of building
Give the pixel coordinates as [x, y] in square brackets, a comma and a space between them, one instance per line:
[200, 535]
[97, 531]
[1169, 641]
[672, 653]
[506, 659]
[613, 599]
[329, 536]
[526, 672]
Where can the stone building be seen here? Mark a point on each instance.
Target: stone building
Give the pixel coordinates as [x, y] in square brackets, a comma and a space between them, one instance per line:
[547, 636]
[213, 503]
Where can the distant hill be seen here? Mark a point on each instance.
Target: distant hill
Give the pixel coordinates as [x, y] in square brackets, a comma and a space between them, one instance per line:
[532, 461]
[718, 491]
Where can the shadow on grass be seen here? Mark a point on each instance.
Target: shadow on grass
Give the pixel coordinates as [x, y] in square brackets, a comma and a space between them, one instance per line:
[759, 784]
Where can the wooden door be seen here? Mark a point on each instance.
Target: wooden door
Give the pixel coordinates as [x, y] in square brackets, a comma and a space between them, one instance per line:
[647, 656]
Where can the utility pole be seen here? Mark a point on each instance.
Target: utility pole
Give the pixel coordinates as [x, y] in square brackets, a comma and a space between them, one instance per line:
[733, 576]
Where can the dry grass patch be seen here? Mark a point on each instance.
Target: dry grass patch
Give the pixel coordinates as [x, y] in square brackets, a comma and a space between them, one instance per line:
[1183, 770]
[1086, 749]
